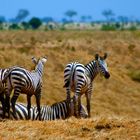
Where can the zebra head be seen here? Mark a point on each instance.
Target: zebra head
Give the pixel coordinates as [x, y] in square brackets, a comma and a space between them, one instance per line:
[42, 60]
[102, 65]
[39, 64]
[83, 111]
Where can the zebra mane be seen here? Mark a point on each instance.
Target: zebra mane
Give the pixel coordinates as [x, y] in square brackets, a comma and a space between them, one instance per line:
[92, 69]
[91, 62]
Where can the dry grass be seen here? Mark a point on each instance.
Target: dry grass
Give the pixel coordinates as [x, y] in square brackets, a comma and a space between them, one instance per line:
[95, 128]
[119, 96]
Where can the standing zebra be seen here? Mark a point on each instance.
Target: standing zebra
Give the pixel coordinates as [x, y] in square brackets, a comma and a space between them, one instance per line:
[56, 111]
[24, 81]
[78, 78]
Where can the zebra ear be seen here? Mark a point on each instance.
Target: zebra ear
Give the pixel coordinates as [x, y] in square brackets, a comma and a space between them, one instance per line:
[96, 56]
[105, 56]
[34, 60]
[44, 59]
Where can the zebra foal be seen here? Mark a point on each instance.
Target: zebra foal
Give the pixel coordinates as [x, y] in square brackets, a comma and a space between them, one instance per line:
[78, 78]
[23, 81]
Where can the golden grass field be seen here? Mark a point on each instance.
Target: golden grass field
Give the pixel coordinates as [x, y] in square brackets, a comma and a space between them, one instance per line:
[115, 103]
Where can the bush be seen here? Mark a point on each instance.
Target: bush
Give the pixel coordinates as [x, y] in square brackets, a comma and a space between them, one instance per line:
[35, 23]
[14, 26]
[133, 28]
[108, 27]
[25, 25]
[135, 75]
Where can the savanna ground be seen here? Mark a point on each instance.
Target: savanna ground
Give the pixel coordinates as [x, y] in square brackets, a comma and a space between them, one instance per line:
[115, 103]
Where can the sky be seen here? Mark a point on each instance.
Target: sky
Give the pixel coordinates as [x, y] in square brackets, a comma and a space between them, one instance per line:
[57, 8]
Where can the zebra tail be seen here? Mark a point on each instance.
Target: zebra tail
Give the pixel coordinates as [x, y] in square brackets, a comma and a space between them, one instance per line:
[68, 83]
[6, 75]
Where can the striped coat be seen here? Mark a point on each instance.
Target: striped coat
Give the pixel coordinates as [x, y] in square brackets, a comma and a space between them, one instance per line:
[78, 78]
[55, 111]
[24, 81]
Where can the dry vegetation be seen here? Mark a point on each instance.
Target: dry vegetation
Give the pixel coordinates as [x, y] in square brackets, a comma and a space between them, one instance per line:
[115, 102]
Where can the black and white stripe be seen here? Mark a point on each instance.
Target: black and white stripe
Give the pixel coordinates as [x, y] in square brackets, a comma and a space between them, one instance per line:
[2, 87]
[24, 81]
[78, 78]
[56, 111]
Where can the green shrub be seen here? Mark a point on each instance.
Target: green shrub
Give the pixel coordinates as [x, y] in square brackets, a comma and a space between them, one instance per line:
[35, 22]
[135, 75]
[62, 27]
[25, 25]
[14, 26]
[108, 27]
[133, 28]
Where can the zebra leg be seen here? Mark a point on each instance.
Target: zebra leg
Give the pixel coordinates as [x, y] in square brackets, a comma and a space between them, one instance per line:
[8, 91]
[7, 105]
[29, 106]
[13, 100]
[68, 100]
[78, 99]
[3, 104]
[88, 97]
[38, 105]
[77, 105]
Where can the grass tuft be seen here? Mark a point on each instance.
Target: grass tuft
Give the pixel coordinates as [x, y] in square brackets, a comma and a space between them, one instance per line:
[135, 75]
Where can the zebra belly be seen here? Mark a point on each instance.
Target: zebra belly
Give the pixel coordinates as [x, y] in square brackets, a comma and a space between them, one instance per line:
[83, 89]
[26, 91]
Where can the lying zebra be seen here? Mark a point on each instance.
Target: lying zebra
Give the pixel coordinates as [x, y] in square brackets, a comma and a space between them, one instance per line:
[55, 111]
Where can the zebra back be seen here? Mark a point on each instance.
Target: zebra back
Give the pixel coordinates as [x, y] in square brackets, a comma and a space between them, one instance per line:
[60, 111]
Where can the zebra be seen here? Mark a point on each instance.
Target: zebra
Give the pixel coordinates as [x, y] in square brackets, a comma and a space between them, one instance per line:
[54, 112]
[78, 78]
[24, 81]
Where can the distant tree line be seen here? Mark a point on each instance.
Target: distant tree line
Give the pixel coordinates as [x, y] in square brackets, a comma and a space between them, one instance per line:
[111, 22]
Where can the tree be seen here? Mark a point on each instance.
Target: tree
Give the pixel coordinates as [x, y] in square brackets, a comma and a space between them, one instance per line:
[108, 15]
[2, 19]
[25, 25]
[22, 14]
[47, 19]
[35, 22]
[86, 18]
[70, 14]
[64, 21]
[14, 26]
[83, 18]
[123, 20]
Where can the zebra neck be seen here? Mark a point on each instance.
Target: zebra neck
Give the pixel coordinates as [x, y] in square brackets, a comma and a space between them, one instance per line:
[39, 70]
[92, 70]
